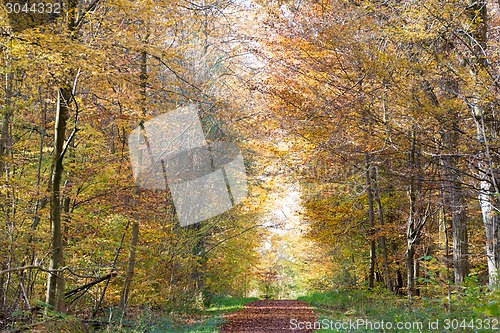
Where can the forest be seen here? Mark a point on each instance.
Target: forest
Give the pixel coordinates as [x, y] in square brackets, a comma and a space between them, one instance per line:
[356, 145]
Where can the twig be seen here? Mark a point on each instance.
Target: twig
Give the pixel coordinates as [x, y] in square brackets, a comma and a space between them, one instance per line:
[90, 284]
[33, 267]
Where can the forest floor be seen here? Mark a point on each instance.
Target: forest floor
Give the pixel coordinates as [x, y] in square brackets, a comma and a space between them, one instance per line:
[473, 310]
[268, 316]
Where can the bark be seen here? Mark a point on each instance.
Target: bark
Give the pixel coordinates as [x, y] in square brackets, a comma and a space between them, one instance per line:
[410, 269]
[381, 220]
[130, 266]
[415, 219]
[489, 203]
[410, 247]
[489, 191]
[371, 224]
[443, 226]
[135, 226]
[198, 274]
[455, 201]
[55, 283]
[8, 204]
[39, 203]
[491, 221]
[7, 114]
[4, 151]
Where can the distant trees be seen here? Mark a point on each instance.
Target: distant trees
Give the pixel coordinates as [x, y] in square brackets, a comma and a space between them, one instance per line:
[406, 89]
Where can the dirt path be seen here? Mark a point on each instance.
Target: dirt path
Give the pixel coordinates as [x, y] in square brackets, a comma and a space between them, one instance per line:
[269, 317]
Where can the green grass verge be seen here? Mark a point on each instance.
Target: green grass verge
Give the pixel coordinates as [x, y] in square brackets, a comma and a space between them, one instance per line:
[228, 304]
[380, 311]
[207, 320]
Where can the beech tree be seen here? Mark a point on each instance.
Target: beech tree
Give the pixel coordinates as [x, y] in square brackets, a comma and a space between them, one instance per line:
[414, 83]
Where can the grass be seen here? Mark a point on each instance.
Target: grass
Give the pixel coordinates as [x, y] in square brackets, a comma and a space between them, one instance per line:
[207, 320]
[380, 311]
[228, 304]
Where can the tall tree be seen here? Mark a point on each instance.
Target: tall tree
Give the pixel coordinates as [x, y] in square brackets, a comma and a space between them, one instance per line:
[482, 74]
[55, 283]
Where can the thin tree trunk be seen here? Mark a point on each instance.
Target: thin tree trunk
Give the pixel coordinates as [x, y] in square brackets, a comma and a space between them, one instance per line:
[489, 200]
[130, 266]
[491, 221]
[4, 152]
[55, 284]
[413, 230]
[383, 244]
[455, 205]
[113, 268]
[198, 275]
[135, 225]
[7, 114]
[444, 228]
[371, 224]
[410, 269]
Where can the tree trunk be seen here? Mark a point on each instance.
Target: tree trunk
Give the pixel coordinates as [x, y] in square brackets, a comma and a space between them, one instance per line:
[135, 237]
[383, 244]
[410, 269]
[489, 191]
[135, 226]
[198, 275]
[491, 221]
[454, 204]
[371, 224]
[7, 114]
[415, 221]
[55, 283]
[4, 151]
[131, 266]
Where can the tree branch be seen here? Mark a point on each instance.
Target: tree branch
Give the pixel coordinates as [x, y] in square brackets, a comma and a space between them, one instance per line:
[231, 237]
[86, 286]
[68, 142]
[33, 267]
[90, 7]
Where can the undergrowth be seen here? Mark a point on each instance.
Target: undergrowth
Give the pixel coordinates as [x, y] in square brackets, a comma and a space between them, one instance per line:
[472, 310]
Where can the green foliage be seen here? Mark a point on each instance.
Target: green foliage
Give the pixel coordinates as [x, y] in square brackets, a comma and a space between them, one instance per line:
[181, 320]
[225, 304]
[378, 306]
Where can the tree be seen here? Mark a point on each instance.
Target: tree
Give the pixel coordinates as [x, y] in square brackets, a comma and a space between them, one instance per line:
[482, 69]
[56, 281]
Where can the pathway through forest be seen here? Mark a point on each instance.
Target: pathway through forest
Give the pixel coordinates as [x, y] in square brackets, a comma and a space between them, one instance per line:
[269, 316]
